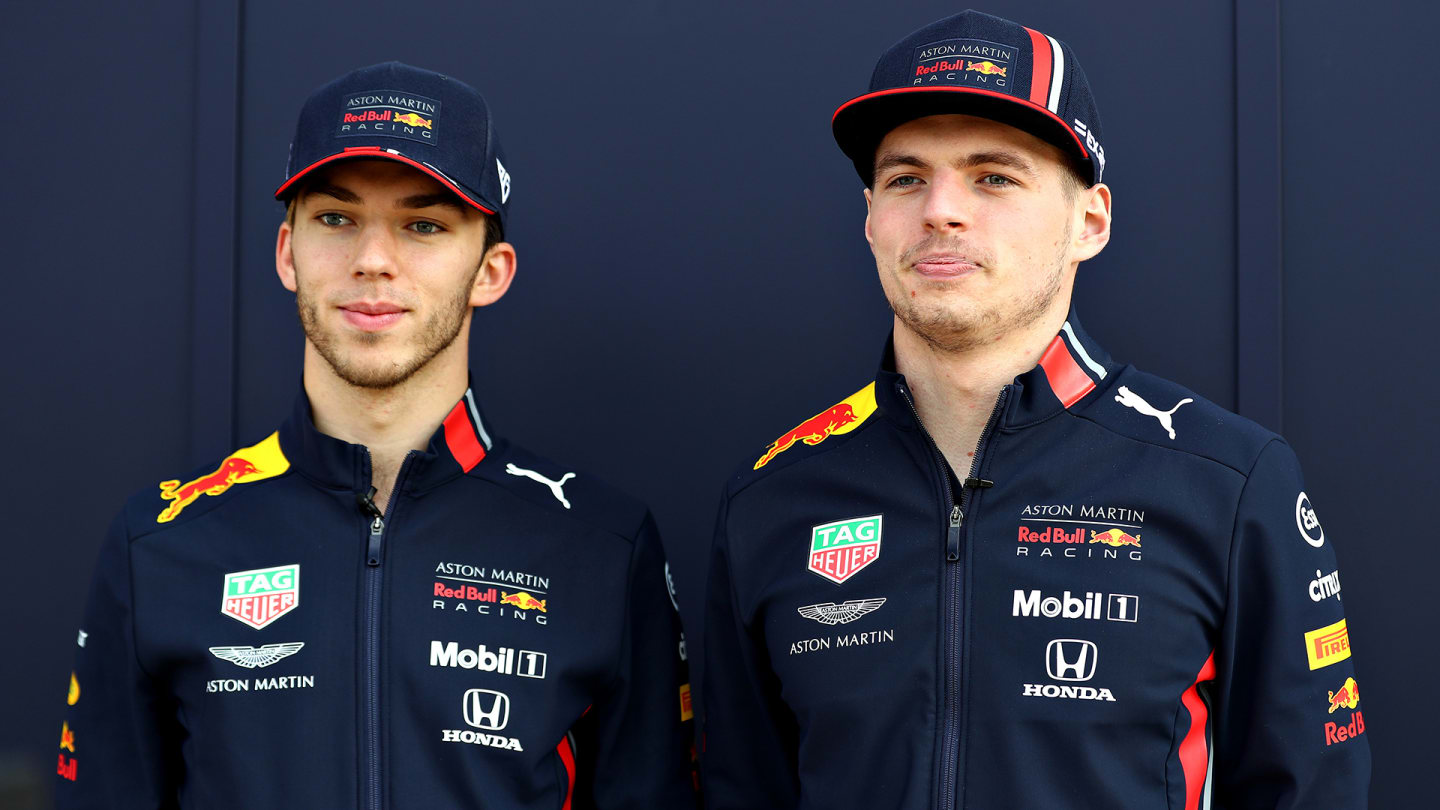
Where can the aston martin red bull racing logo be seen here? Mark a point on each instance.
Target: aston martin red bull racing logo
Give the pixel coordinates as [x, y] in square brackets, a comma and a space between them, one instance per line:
[264, 460]
[1116, 538]
[842, 417]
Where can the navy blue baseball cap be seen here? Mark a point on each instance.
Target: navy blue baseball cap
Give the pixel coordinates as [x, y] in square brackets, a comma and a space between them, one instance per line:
[976, 64]
[393, 111]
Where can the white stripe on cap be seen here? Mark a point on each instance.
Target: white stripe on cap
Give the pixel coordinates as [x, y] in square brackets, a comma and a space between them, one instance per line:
[1057, 74]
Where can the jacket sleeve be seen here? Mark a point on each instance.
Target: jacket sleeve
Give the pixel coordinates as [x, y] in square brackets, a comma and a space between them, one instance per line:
[1290, 728]
[748, 735]
[633, 750]
[117, 751]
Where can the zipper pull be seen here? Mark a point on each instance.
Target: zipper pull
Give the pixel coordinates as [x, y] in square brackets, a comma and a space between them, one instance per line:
[366, 501]
[952, 541]
[978, 483]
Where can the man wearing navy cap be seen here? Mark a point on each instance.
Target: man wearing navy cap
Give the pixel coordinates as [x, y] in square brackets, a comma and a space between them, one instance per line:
[1011, 571]
[384, 603]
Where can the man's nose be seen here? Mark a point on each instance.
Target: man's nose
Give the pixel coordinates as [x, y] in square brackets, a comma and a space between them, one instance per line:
[948, 203]
[375, 254]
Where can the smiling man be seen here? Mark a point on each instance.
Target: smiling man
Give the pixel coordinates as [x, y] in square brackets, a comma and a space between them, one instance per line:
[383, 603]
[1011, 571]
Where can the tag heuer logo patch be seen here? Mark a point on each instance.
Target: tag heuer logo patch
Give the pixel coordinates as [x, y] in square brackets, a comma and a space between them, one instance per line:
[261, 596]
[838, 550]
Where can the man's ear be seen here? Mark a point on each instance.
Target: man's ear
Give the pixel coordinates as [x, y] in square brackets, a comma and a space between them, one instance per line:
[497, 270]
[868, 236]
[1093, 233]
[285, 255]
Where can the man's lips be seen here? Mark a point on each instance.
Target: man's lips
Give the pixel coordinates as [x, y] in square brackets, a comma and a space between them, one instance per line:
[372, 317]
[944, 266]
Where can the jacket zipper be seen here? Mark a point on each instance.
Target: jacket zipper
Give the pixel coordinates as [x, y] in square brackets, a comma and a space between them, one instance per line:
[370, 632]
[950, 734]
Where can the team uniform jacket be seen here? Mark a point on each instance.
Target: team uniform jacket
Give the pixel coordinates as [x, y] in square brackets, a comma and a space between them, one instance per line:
[257, 635]
[1128, 602]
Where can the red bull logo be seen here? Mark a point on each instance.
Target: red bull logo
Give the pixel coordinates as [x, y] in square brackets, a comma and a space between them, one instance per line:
[1115, 538]
[67, 768]
[469, 592]
[1348, 697]
[74, 696]
[367, 116]
[987, 67]
[1338, 733]
[67, 738]
[522, 600]
[264, 460]
[842, 417]
[413, 120]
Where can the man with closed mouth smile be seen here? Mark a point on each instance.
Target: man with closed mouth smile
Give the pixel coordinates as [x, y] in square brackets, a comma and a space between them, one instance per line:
[384, 603]
[1012, 572]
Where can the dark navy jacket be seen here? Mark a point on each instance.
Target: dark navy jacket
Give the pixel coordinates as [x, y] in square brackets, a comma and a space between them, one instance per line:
[257, 637]
[1129, 602]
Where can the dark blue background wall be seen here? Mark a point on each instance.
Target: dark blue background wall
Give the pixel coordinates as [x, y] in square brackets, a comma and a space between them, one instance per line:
[693, 279]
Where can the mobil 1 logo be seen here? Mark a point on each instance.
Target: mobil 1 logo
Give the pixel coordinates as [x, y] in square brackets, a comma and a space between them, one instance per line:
[1115, 607]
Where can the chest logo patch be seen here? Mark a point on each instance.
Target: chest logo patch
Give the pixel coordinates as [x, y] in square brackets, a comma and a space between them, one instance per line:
[260, 596]
[830, 613]
[841, 549]
[253, 657]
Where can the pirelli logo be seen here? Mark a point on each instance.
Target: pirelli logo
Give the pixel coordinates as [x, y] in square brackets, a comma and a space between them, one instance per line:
[1328, 645]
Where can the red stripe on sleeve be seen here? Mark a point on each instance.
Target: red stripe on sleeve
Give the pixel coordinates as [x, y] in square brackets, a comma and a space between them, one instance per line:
[1041, 64]
[460, 436]
[1067, 380]
[1194, 751]
[567, 757]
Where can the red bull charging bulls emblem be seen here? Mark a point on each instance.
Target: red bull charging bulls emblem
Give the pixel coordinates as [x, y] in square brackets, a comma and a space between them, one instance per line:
[264, 460]
[1116, 538]
[842, 417]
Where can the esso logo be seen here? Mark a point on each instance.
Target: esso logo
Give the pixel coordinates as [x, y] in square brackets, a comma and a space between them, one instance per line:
[1307, 522]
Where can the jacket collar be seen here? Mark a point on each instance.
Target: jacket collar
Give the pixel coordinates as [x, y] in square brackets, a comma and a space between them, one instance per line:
[460, 443]
[1071, 370]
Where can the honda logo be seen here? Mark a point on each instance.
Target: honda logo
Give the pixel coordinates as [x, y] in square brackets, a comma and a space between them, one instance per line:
[487, 709]
[1071, 659]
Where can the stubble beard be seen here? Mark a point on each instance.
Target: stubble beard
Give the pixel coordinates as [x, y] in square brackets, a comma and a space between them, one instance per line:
[436, 335]
[953, 330]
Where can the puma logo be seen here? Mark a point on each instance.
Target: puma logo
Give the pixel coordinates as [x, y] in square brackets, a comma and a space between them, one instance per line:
[555, 486]
[1130, 399]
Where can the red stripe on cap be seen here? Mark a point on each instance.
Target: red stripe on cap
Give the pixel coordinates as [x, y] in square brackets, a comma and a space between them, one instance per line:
[567, 758]
[378, 152]
[1069, 382]
[460, 437]
[1042, 64]
[1194, 751]
[1040, 108]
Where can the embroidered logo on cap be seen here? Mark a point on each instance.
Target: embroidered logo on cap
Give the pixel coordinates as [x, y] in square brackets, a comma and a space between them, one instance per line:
[390, 113]
[970, 62]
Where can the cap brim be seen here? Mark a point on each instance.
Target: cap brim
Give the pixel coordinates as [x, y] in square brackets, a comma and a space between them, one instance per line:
[374, 152]
[861, 123]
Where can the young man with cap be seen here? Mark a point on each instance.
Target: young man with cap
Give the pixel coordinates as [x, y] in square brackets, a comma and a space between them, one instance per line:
[383, 603]
[1011, 571]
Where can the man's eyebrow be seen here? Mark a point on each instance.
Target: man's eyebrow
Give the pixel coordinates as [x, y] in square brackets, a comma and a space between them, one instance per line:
[891, 160]
[340, 193]
[999, 158]
[443, 198]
